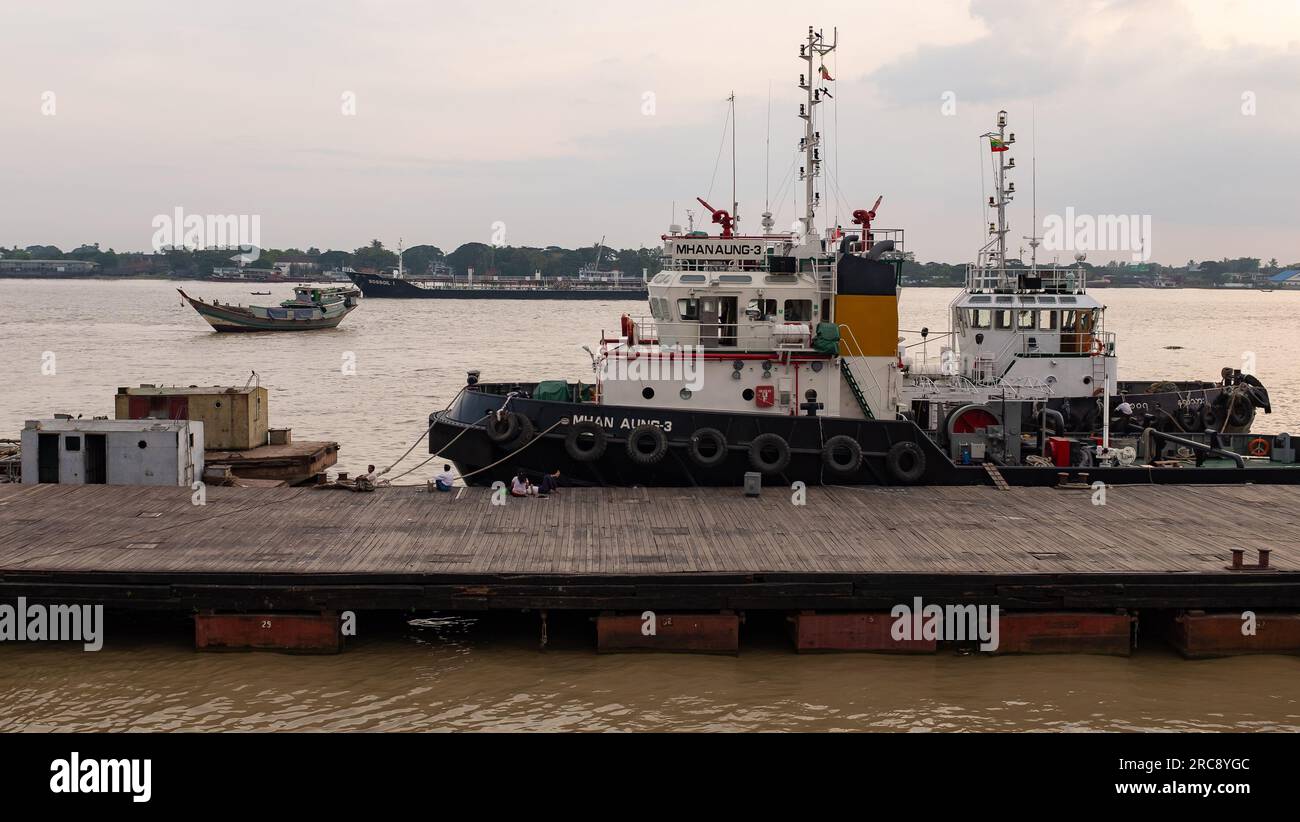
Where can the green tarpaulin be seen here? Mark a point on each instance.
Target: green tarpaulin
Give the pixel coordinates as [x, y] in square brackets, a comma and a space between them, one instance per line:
[553, 390]
[828, 338]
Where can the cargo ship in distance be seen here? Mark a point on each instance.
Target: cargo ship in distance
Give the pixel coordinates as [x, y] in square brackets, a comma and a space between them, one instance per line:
[590, 284]
[381, 285]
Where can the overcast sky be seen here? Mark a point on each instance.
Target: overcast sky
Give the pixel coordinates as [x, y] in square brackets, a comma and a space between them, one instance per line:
[533, 114]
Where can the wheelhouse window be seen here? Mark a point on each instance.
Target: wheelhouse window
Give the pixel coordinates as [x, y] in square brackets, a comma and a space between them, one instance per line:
[798, 311]
[1002, 317]
[1025, 319]
[688, 309]
[761, 310]
[1047, 322]
[981, 318]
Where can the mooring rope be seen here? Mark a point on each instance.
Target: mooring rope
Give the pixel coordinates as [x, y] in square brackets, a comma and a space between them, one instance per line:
[558, 423]
[467, 429]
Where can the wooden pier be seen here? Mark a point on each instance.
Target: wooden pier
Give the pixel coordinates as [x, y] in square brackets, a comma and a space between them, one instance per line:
[848, 550]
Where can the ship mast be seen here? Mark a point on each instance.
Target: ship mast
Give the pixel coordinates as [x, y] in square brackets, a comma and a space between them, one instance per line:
[735, 206]
[816, 48]
[999, 143]
[1034, 239]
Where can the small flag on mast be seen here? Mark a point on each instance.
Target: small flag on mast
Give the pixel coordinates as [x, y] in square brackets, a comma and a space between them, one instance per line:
[826, 75]
[997, 145]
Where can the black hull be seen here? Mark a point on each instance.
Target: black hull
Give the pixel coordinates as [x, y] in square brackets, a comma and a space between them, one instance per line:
[373, 286]
[459, 437]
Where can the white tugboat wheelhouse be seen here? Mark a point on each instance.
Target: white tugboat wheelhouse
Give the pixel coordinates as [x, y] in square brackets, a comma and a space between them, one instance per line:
[776, 323]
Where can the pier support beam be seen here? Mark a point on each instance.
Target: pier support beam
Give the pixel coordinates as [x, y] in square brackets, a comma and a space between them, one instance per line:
[814, 632]
[1058, 632]
[298, 633]
[716, 633]
[1200, 635]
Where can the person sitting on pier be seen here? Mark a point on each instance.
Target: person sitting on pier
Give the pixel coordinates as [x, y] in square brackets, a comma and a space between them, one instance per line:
[521, 487]
[444, 480]
[550, 483]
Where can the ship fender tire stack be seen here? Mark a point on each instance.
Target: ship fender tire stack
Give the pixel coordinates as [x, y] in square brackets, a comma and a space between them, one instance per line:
[647, 434]
[905, 462]
[501, 428]
[842, 454]
[526, 433]
[714, 452]
[769, 453]
[586, 441]
[511, 430]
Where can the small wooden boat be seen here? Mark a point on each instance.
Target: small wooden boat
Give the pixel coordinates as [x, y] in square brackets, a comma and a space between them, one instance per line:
[312, 307]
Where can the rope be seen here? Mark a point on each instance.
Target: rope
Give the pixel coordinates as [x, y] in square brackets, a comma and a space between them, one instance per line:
[558, 423]
[425, 434]
[1227, 417]
[504, 405]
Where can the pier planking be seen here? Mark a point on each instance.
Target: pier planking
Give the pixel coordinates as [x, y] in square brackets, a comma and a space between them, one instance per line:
[610, 548]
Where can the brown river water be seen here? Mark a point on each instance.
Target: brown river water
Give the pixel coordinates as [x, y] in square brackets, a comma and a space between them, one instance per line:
[461, 673]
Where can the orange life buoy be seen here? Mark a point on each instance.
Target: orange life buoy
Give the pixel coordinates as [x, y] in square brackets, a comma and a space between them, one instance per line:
[1259, 447]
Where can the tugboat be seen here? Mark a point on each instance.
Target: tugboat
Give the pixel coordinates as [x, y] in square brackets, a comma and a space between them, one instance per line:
[1037, 334]
[778, 356]
[312, 307]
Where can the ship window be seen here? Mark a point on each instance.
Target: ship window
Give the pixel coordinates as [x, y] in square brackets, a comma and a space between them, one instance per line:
[1048, 321]
[688, 309]
[72, 443]
[1006, 299]
[798, 311]
[1025, 318]
[1002, 318]
[735, 278]
[693, 278]
[981, 318]
[761, 310]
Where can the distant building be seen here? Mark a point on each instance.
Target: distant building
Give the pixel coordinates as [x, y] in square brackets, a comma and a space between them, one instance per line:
[1287, 279]
[48, 266]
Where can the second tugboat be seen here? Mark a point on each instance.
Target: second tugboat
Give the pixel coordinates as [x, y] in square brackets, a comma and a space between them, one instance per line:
[779, 355]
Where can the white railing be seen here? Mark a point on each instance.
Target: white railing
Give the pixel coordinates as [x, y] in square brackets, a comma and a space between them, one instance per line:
[855, 350]
[1011, 387]
[746, 335]
[1047, 280]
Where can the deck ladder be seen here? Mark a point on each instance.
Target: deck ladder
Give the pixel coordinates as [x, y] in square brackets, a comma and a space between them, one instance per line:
[856, 389]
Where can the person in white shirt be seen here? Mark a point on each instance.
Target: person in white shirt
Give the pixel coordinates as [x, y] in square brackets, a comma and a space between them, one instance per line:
[521, 487]
[444, 480]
